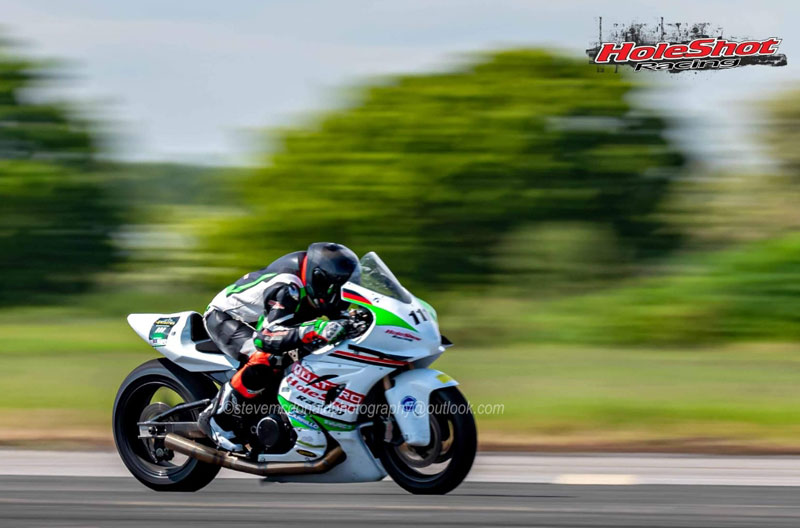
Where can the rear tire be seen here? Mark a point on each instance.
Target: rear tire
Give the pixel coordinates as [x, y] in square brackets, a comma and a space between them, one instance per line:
[133, 398]
[458, 442]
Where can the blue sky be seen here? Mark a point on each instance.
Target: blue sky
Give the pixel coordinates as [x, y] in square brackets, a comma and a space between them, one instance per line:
[194, 80]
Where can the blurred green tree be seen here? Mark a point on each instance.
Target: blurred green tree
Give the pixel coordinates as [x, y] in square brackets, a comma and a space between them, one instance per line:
[55, 226]
[432, 171]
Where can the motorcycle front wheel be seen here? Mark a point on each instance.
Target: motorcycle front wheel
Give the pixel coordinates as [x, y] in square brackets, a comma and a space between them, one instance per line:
[440, 466]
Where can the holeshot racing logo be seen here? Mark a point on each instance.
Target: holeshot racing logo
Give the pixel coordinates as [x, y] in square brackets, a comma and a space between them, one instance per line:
[699, 54]
[683, 47]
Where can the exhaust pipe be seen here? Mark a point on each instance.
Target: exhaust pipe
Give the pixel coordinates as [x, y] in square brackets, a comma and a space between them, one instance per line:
[210, 455]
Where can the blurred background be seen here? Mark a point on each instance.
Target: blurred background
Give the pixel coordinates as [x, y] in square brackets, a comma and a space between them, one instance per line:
[616, 255]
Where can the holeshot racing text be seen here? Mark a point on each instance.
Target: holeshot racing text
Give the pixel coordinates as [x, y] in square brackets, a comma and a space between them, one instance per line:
[698, 54]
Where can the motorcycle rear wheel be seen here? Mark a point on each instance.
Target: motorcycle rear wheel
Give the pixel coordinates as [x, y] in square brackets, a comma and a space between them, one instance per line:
[442, 465]
[133, 403]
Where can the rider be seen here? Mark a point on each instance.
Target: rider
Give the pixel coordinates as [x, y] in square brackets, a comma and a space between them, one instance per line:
[294, 304]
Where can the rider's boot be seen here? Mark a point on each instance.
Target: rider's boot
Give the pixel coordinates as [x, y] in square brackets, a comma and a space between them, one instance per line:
[219, 417]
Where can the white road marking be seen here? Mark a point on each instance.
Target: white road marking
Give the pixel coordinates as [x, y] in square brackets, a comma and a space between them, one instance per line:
[596, 479]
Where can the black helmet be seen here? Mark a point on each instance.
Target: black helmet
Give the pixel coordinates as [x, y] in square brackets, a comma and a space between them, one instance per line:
[328, 266]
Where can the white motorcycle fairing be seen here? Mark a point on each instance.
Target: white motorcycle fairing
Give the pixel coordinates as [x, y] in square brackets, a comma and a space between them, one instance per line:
[326, 388]
[409, 400]
[177, 336]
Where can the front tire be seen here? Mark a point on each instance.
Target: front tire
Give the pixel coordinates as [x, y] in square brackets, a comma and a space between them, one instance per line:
[454, 441]
[133, 404]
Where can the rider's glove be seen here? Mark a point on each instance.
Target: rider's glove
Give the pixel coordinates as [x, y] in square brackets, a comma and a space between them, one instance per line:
[319, 333]
[270, 339]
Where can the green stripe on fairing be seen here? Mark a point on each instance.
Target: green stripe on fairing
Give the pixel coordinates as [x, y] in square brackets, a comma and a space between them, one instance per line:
[331, 424]
[429, 308]
[286, 404]
[327, 423]
[233, 288]
[309, 445]
[384, 317]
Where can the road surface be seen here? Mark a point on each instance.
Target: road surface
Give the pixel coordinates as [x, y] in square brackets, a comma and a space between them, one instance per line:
[91, 489]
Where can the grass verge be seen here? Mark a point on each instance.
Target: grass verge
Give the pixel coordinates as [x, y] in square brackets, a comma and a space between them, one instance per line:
[61, 372]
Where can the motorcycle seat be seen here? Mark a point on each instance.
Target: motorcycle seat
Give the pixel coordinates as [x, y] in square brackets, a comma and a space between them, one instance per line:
[200, 337]
[208, 347]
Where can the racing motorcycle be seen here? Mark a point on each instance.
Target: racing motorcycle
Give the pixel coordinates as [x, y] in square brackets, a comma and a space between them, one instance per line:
[355, 411]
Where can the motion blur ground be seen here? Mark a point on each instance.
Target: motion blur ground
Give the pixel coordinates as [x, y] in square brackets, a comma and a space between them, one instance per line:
[71, 501]
[618, 396]
[79, 488]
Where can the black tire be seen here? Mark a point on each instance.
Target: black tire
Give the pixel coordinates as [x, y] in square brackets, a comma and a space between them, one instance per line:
[132, 398]
[460, 454]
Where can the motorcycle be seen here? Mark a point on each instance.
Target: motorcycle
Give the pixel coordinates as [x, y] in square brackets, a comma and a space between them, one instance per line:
[355, 411]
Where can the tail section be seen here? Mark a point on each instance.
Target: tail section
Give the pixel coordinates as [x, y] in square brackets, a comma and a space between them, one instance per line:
[177, 336]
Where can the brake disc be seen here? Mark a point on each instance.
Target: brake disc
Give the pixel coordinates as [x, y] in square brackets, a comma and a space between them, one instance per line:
[420, 457]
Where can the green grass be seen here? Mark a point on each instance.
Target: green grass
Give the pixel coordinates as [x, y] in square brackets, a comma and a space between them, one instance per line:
[748, 293]
[60, 372]
[557, 393]
[64, 375]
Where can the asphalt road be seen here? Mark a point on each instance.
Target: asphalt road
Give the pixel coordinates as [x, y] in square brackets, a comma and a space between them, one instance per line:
[121, 502]
[620, 469]
[85, 489]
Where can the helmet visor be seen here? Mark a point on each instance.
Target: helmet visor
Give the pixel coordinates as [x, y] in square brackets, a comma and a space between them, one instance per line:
[327, 288]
